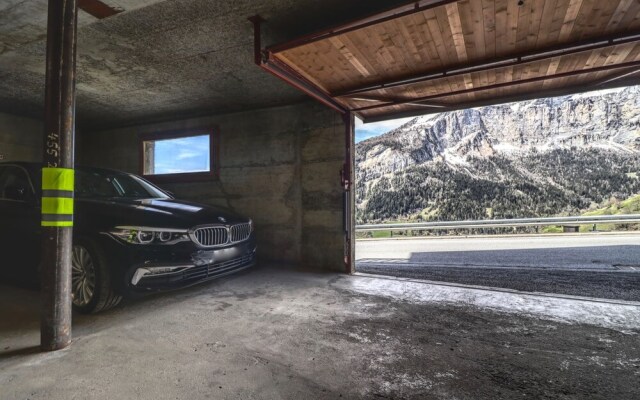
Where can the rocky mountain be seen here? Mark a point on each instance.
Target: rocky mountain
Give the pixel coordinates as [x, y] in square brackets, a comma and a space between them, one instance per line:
[542, 157]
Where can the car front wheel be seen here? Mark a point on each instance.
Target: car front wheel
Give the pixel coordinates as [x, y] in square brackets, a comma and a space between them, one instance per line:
[90, 280]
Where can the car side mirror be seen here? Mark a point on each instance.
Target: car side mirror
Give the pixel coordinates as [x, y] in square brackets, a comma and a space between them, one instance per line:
[16, 192]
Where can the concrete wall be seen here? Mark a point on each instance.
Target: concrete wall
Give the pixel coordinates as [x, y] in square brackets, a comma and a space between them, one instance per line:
[280, 166]
[20, 138]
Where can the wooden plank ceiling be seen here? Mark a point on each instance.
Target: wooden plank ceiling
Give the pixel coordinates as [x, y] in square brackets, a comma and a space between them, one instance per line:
[454, 54]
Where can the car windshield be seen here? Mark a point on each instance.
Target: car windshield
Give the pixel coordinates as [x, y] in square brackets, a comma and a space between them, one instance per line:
[93, 184]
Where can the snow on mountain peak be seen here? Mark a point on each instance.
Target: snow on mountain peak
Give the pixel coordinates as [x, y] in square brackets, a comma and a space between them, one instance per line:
[597, 119]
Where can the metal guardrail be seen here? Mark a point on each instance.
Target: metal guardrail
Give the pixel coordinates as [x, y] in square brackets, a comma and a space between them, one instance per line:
[503, 223]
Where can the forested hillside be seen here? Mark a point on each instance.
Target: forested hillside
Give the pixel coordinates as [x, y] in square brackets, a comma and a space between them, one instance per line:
[560, 182]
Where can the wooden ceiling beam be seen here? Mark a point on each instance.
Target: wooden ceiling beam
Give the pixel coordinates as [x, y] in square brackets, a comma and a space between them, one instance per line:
[632, 64]
[503, 62]
[265, 60]
[379, 99]
[393, 13]
[530, 95]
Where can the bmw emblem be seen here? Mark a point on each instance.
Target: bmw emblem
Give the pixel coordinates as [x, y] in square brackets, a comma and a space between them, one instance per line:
[224, 221]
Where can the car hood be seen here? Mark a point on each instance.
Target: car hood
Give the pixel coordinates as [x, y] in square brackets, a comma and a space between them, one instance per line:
[160, 213]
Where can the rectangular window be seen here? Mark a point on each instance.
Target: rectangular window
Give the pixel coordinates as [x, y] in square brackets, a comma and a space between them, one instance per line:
[176, 156]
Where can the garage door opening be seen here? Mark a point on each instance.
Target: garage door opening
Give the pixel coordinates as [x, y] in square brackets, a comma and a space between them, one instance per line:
[437, 56]
[539, 196]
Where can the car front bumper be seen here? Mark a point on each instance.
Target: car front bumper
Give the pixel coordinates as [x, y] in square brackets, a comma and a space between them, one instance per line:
[156, 277]
[160, 268]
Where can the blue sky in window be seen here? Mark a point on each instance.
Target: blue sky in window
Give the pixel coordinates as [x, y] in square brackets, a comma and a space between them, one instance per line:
[189, 154]
[367, 131]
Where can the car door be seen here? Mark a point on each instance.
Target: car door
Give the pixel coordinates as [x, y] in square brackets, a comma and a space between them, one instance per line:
[19, 225]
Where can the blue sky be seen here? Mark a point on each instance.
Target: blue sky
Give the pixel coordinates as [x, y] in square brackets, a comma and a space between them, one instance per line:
[366, 131]
[188, 154]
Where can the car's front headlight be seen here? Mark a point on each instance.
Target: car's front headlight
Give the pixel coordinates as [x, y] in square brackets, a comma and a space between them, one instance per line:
[147, 235]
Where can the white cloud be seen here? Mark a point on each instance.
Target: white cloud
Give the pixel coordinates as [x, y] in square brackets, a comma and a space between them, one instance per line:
[184, 154]
[383, 125]
[599, 93]
[366, 131]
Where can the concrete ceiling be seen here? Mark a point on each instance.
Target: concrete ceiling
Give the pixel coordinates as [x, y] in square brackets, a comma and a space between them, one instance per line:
[162, 60]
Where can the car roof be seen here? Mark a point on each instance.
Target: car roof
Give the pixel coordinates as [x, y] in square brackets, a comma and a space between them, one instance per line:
[21, 163]
[35, 166]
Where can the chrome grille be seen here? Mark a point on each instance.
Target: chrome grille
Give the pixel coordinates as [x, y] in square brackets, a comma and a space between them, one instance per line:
[240, 232]
[211, 236]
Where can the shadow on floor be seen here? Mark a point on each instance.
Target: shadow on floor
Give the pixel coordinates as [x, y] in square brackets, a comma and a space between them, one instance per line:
[587, 257]
[603, 272]
[19, 317]
[20, 313]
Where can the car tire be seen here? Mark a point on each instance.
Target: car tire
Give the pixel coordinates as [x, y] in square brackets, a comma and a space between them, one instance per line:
[90, 264]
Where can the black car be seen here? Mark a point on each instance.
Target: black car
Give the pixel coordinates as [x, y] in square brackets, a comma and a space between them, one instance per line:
[129, 236]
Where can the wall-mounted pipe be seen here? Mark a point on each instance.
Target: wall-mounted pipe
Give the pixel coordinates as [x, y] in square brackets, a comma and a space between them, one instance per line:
[270, 63]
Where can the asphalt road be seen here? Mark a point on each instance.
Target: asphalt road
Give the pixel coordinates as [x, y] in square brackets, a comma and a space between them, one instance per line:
[603, 266]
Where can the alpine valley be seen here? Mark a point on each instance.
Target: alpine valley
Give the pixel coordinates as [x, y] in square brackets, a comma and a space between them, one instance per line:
[546, 157]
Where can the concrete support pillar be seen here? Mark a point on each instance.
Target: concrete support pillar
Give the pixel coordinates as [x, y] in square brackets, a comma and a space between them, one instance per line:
[58, 175]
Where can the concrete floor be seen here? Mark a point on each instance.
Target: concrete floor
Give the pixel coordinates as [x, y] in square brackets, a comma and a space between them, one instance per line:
[273, 333]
